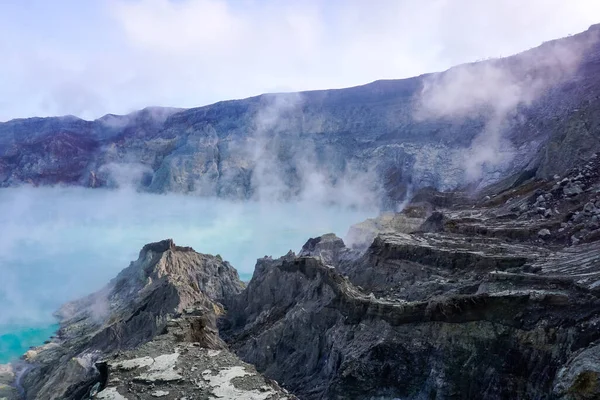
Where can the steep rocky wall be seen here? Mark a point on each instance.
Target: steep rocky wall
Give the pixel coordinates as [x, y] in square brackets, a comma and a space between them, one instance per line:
[372, 137]
[495, 298]
[303, 324]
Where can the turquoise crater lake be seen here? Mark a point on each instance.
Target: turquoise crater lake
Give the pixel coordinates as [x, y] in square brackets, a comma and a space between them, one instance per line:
[58, 244]
[15, 341]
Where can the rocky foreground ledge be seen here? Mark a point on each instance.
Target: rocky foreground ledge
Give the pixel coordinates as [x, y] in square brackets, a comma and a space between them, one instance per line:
[150, 333]
[456, 297]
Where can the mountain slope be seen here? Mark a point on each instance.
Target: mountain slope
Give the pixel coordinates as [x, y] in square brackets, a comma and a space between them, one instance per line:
[471, 125]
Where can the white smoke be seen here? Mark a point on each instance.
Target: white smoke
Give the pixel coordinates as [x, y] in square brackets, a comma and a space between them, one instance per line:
[271, 121]
[59, 243]
[157, 115]
[125, 175]
[286, 164]
[495, 90]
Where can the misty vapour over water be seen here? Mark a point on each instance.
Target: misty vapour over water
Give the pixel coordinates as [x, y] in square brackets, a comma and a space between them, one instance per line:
[62, 243]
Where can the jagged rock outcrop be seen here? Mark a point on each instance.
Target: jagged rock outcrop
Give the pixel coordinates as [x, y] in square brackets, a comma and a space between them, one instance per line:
[361, 235]
[151, 332]
[179, 364]
[366, 137]
[475, 303]
[320, 336]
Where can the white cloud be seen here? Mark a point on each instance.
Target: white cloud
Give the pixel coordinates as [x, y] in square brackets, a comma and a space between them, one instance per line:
[180, 27]
[128, 54]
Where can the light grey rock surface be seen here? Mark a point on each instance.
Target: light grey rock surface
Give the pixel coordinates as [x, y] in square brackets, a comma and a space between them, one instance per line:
[171, 369]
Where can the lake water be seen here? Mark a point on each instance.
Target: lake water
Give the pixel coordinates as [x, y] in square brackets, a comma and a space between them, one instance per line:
[58, 244]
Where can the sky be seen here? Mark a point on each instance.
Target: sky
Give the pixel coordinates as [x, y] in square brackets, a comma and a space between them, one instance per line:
[93, 57]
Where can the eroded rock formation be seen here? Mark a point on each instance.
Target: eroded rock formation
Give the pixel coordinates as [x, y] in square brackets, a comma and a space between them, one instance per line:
[476, 303]
[151, 332]
[491, 293]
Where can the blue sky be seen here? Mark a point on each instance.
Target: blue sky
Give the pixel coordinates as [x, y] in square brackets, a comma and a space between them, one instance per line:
[92, 57]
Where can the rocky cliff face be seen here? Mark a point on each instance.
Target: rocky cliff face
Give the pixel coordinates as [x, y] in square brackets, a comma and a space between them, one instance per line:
[151, 332]
[535, 111]
[494, 299]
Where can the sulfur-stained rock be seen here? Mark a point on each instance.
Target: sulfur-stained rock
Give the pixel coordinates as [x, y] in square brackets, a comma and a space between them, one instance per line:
[167, 289]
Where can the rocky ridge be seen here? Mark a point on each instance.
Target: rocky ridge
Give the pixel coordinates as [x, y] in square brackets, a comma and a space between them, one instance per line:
[479, 302]
[490, 290]
[150, 333]
[374, 136]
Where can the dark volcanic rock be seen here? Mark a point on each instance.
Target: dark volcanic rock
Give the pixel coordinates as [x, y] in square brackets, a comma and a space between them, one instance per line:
[302, 323]
[329, 248]
[433, 223]
[462, 298]
[175, 366]
[461, 295]
[476, 304]
[361, 235]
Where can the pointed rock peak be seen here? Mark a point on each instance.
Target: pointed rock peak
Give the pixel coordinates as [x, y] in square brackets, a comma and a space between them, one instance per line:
[170, 294]
[164, 245]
